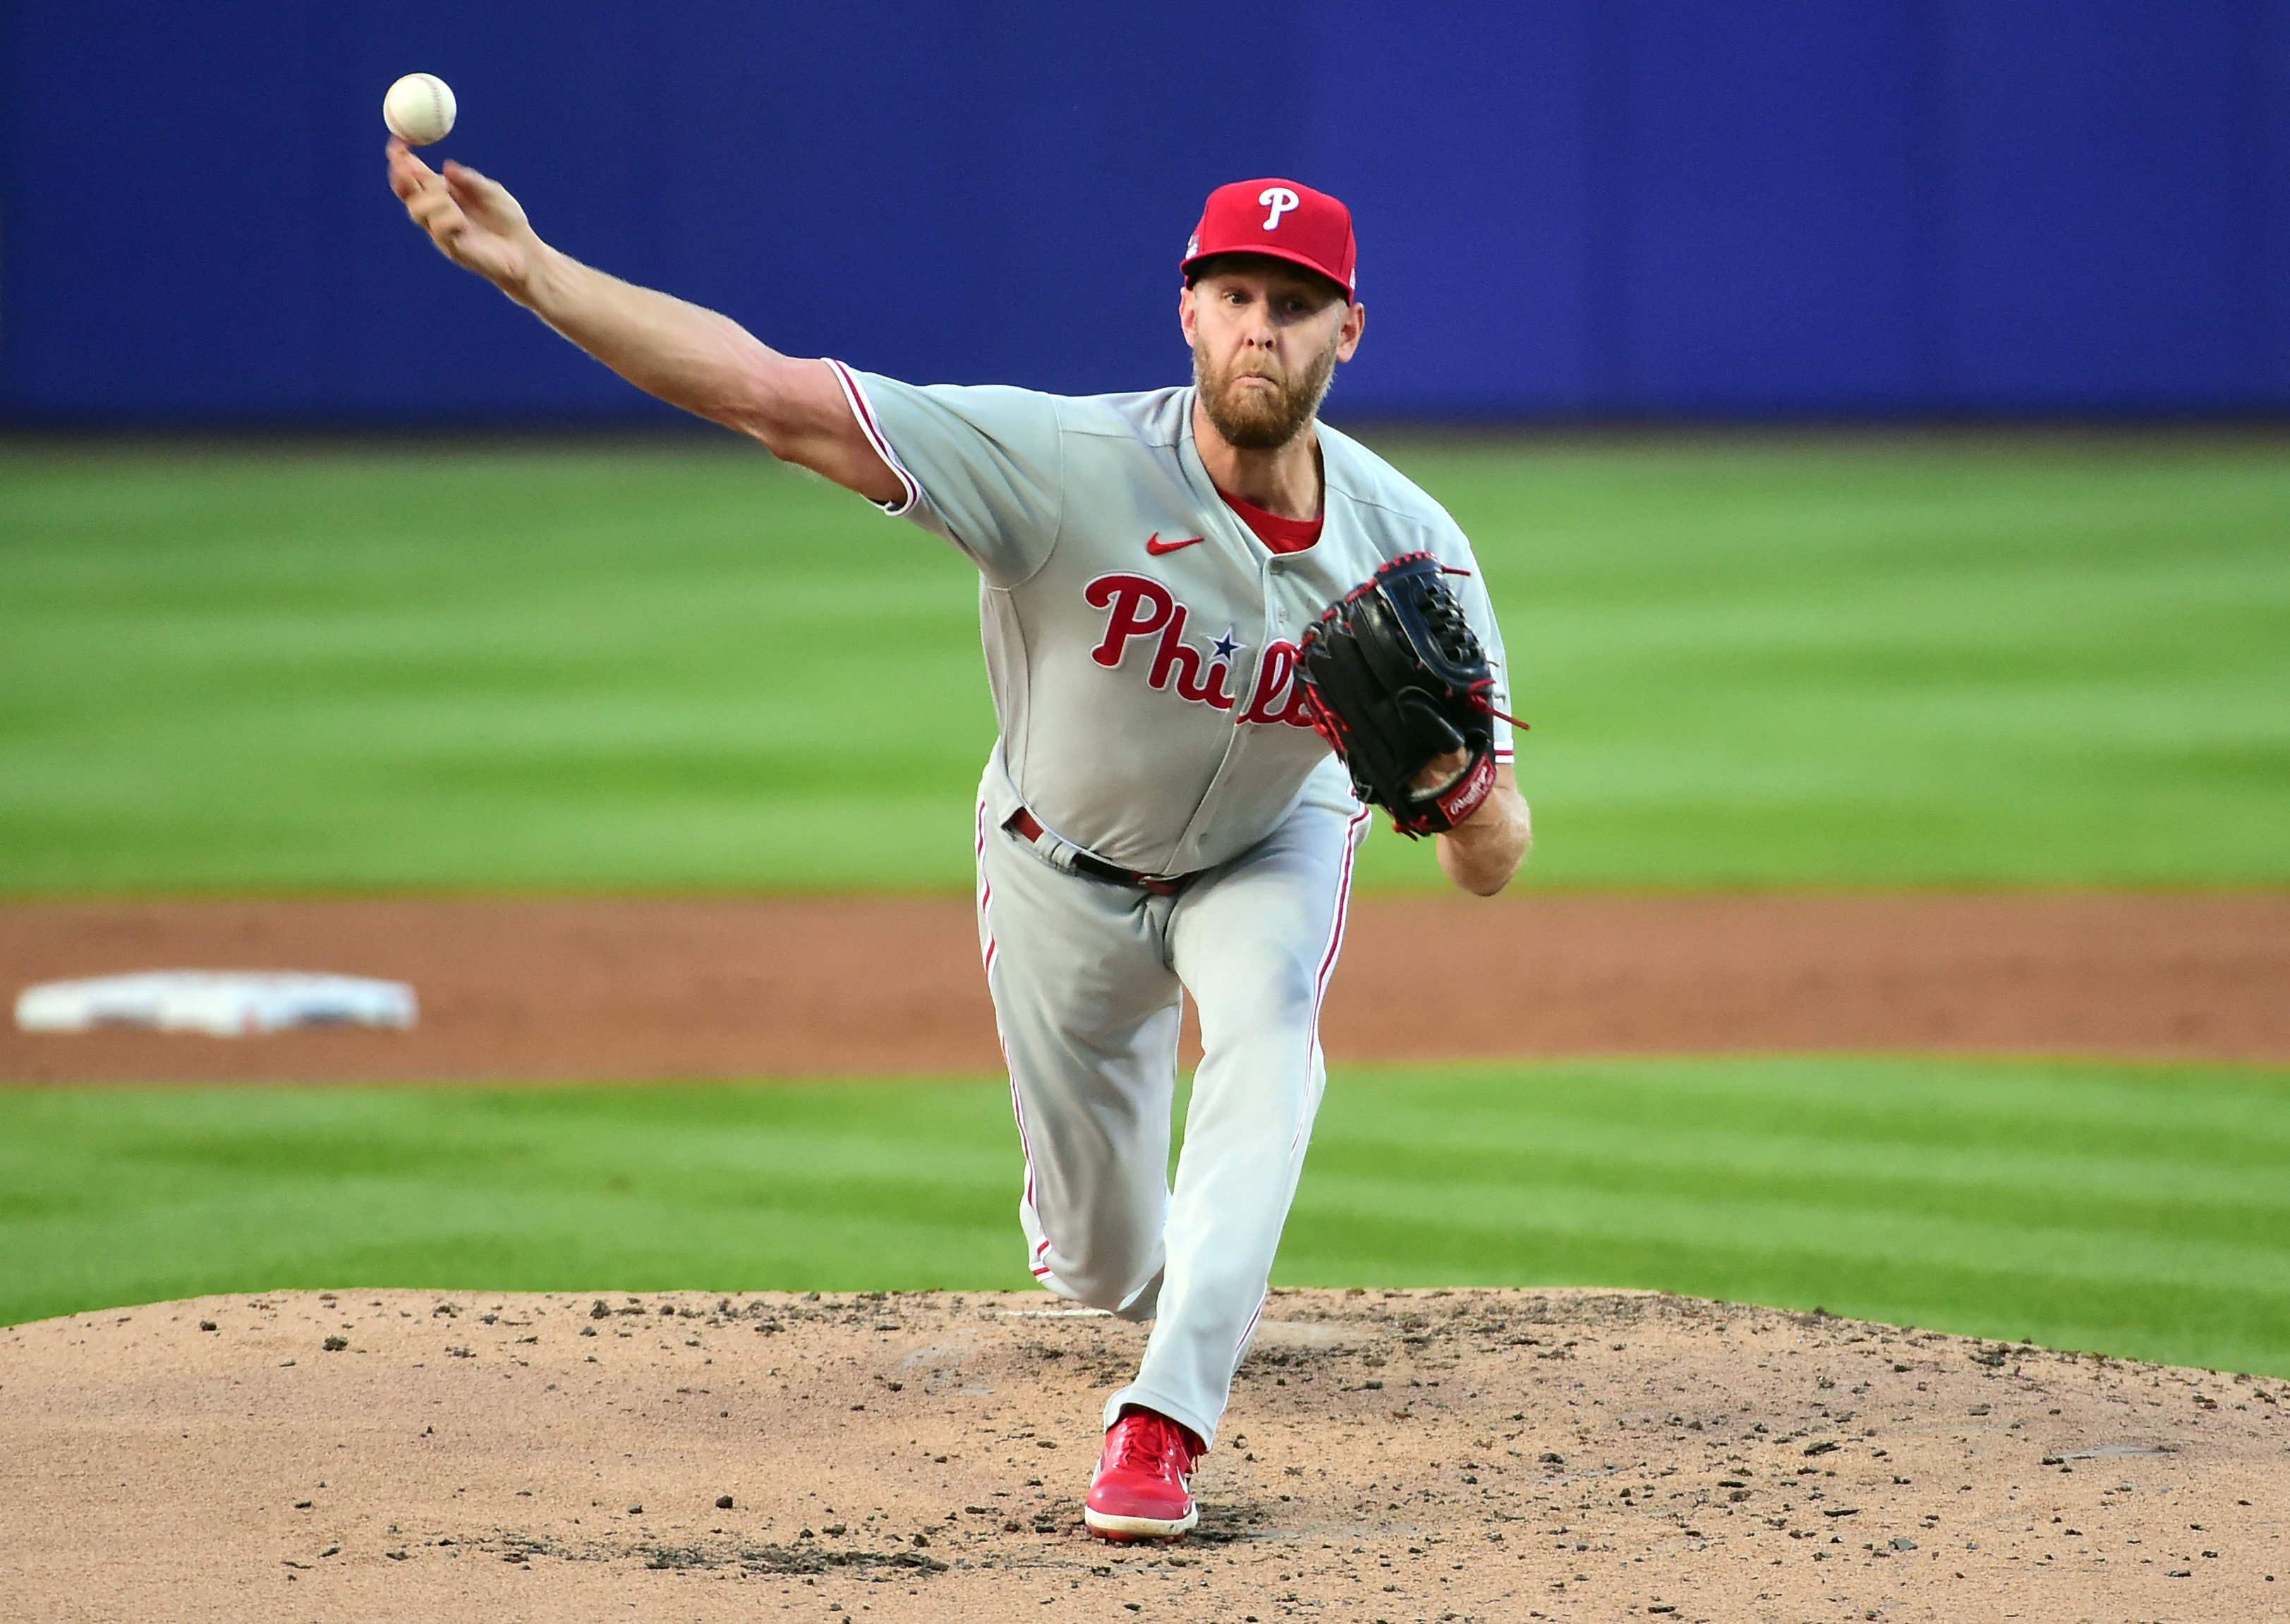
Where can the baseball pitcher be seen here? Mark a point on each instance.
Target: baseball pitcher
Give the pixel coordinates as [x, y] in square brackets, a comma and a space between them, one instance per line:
[1217, 632]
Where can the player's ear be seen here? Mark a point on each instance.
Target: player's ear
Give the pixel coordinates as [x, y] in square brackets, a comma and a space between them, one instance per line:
[1348, 336]
[1186, 310]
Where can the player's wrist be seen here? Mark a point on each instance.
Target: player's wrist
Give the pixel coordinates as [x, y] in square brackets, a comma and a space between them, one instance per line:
[1482, 823]
[533, 275]
[1501, 828]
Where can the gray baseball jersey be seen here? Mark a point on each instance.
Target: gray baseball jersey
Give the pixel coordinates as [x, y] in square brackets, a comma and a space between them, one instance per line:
[1142, 645]
[1140, 641]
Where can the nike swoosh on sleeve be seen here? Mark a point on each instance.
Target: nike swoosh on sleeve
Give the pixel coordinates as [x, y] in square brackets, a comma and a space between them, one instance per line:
[1156, 547]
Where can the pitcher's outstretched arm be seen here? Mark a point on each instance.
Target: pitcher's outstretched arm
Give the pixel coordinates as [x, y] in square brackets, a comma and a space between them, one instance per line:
[706, 363]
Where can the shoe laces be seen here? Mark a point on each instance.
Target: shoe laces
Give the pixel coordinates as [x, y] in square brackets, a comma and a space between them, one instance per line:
[1152, 1442]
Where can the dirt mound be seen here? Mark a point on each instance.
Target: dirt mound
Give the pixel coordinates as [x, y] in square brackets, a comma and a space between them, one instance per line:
[1390, 1456]
[542, 990]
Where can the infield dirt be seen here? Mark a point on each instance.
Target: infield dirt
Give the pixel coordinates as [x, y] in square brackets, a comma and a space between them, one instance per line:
[1390, 1456]
[636, 990]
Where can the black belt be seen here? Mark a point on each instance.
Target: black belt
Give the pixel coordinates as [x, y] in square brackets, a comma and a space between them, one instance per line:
[1028, 826]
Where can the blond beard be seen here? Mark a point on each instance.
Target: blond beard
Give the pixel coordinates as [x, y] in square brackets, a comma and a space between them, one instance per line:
[1262, 419]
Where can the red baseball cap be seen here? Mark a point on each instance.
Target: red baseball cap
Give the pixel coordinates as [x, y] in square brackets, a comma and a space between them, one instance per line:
[1282, 218]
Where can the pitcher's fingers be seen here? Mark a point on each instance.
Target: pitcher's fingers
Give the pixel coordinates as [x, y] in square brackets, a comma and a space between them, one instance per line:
[437, 214]
[469, 186]
[427, 194]
[407, 174]
[401, 158]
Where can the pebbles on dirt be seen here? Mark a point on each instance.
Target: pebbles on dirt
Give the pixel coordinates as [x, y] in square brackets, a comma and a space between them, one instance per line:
[1424, 1455]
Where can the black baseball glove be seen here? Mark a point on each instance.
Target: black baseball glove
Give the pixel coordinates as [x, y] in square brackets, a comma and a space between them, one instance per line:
[1394, 678]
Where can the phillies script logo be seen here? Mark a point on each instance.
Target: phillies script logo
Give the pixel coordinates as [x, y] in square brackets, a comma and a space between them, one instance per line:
[1140, 607]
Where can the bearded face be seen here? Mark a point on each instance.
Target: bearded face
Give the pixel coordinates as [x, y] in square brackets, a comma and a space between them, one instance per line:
[1254, 403]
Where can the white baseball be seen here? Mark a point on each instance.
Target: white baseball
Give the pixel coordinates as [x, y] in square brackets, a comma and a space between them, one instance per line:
[419, 108]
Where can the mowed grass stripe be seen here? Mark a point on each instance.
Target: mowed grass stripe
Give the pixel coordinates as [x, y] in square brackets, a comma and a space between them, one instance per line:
[2118, 1208]
[2136, 1211]
[1857, 661]
[113, 1196]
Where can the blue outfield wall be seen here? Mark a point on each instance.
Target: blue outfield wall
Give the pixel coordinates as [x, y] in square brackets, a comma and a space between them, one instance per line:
[1566, 207]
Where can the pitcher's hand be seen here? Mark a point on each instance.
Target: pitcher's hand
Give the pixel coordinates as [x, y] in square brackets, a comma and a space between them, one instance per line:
[473, 221]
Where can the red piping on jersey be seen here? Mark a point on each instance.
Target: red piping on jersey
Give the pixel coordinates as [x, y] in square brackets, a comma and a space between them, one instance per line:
[863, 410]
[1335, 946]
[1319, 992]
[1040, 1270]
[1250, 1330]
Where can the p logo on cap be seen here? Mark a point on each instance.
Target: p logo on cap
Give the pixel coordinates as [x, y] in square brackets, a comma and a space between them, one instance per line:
[1281, 220]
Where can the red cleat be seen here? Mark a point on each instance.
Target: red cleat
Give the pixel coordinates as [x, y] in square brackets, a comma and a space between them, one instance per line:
[1139, 1490]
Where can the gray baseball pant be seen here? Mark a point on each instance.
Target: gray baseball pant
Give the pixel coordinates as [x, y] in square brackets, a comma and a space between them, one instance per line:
[1088, 980]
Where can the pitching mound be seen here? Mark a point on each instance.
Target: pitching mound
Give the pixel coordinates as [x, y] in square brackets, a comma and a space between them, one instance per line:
[1390, 1455]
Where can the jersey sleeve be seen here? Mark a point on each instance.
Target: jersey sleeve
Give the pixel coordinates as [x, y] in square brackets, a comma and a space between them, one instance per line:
[1471, 590]
[983, 466]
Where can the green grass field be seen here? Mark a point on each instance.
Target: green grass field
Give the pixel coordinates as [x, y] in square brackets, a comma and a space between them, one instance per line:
[1842, 661]
[2139, 1211]
[1846, 661]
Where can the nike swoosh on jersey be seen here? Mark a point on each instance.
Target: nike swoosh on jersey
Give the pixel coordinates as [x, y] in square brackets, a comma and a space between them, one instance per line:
[1156, 547]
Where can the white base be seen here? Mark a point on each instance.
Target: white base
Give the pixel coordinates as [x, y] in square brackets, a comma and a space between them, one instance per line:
[221, 1004]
